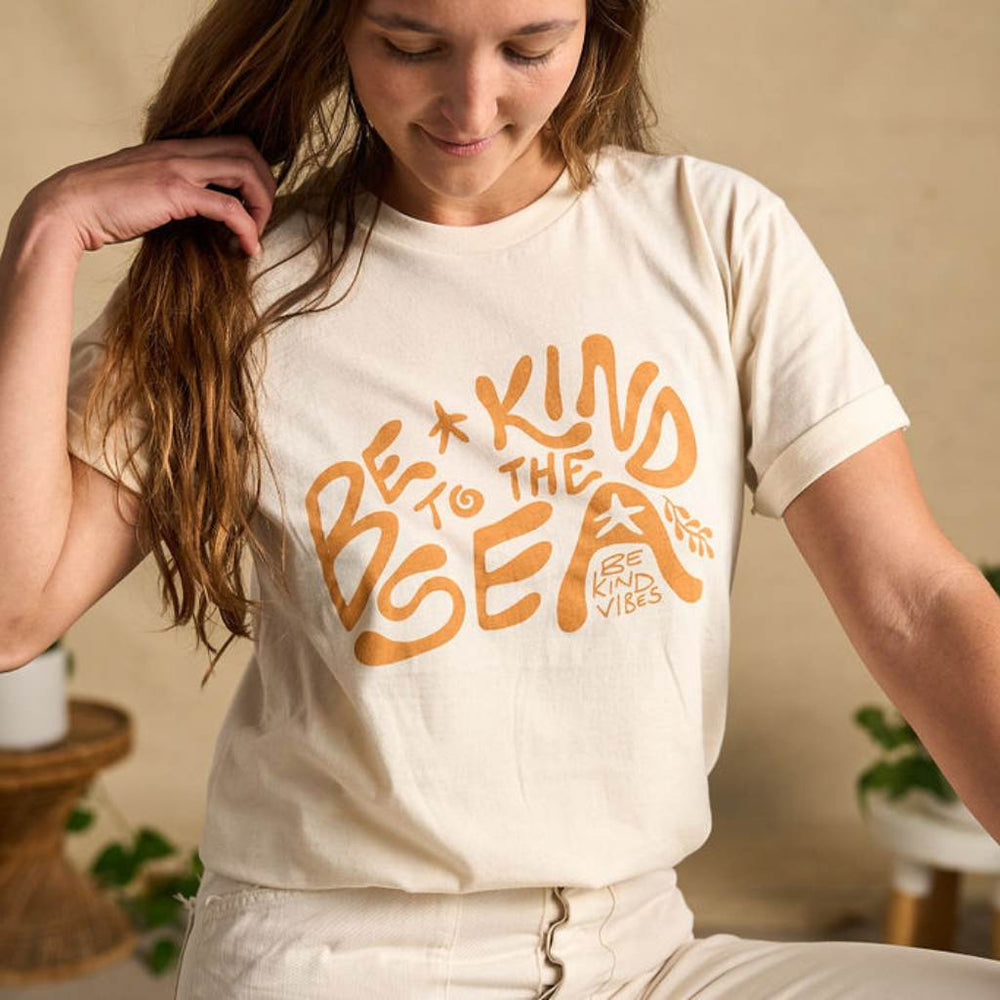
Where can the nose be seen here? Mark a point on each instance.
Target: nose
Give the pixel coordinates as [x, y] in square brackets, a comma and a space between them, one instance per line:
[469, 101]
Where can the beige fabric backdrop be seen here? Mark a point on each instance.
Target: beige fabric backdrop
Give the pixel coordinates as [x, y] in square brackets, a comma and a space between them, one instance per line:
[878, 123]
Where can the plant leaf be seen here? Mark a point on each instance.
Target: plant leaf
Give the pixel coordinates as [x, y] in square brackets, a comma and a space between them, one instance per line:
[162, 955]
[872, 719]
[114, 865]
[79, 819]
[151, 844]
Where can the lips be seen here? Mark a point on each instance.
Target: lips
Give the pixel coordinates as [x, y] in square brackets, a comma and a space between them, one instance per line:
[461, 142]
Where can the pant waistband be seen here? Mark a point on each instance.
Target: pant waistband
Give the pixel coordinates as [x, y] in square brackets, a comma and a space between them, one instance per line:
[538, 943]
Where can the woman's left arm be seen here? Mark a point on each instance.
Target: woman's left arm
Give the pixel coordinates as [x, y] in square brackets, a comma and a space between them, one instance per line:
[924, 620]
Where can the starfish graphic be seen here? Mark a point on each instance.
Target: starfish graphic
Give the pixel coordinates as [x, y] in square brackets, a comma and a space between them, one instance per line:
[618, 515]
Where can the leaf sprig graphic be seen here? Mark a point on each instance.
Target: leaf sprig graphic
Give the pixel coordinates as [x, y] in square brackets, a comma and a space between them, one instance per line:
[691, 528]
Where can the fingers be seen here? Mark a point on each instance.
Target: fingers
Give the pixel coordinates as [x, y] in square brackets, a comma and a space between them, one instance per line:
[229, 161]
[240, 183]
[228, 210]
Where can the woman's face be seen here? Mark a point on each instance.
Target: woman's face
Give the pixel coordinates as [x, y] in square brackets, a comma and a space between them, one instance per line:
[471, 77]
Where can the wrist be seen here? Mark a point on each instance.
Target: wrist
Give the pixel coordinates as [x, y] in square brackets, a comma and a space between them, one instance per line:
[36, 228]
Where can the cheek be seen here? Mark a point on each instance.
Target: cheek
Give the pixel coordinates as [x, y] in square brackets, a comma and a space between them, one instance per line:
[531, 95]
[398, 95]
[383, 92]
[550, 89]
[545, 88]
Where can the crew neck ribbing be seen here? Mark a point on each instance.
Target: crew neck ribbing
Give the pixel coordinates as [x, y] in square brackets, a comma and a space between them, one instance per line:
[513, 228]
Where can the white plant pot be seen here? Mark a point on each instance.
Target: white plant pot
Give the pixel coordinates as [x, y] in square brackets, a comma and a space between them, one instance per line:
[33, 703]
[952, 812]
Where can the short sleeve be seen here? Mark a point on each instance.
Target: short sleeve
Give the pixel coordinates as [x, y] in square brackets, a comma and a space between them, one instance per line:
[812, 394]
[86, 353]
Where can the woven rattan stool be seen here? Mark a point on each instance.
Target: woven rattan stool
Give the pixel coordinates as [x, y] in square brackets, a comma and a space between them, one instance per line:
[55, 923]
[930, 850]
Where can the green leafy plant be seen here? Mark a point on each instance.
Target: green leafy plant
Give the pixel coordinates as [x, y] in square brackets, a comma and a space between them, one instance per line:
[147, 897]
[152, 903]
[893, 773]
[912, 767]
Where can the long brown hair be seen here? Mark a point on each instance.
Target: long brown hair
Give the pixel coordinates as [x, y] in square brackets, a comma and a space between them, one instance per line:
[181, 337]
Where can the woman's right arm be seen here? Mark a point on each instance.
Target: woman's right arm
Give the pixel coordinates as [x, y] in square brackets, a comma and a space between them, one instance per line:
[63, 544]
[37, 273]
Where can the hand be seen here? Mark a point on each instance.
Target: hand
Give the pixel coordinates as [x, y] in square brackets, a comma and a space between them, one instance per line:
[118, 197]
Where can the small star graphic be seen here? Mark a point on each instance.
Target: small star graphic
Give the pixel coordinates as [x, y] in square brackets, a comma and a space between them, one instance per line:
[445, 425]
[618, 515]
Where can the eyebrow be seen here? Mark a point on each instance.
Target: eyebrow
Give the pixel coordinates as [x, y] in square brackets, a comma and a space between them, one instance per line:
[404, 23]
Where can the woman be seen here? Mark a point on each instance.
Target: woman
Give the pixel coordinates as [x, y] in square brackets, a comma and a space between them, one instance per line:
[493, 557]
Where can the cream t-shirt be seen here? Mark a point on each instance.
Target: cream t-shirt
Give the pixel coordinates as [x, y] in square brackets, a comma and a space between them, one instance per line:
[513, 461]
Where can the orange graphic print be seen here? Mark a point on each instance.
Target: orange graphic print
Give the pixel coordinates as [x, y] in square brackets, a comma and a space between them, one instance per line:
[604, 574]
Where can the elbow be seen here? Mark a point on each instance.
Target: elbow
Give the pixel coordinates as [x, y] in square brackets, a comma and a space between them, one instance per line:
[8, 663]
[16, 646]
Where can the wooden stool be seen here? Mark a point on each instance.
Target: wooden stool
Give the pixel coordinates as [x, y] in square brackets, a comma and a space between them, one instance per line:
[55, 923]
[932, 845]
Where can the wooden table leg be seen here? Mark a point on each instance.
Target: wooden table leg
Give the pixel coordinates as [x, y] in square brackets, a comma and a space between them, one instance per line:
[923, 906]
[912, 885]
[903, 917]
[938, 931]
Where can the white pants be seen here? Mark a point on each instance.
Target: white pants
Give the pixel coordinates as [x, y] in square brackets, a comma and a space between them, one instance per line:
[631, 940]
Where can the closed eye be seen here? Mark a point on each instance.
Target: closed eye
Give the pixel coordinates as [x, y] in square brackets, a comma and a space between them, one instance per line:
[515, 57]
